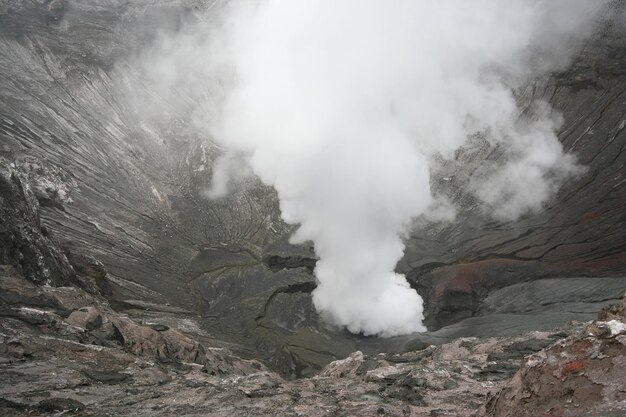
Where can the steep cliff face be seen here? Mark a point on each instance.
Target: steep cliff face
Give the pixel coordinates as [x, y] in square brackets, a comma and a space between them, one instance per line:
[123, 188]
[23, 242]
[580, 233]
[127, 190]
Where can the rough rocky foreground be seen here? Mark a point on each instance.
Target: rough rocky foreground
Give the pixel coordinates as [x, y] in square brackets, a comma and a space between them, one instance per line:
[581, 375]
[64, 351]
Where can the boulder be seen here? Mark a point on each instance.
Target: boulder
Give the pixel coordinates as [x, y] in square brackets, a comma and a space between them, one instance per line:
[261, 384]
[139, 339]
[90, 273]
[183, 348]
[166, 345]
[88, 318]
[343, 367]
[24, 244]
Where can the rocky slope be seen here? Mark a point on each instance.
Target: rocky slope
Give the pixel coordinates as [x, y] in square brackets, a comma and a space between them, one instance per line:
[581, 375]
[579, 234]
[64, 351]
[125, 187]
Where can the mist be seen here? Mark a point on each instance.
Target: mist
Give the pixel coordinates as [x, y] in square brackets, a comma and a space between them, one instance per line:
[343, 106]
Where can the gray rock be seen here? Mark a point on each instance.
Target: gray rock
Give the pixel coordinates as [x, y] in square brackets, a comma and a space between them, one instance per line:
[60, 404]
[88, 318]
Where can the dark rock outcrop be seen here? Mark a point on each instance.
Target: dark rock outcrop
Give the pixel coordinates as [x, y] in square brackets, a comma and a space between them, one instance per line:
[24, 243]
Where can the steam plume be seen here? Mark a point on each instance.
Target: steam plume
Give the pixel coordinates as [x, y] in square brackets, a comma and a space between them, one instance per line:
[342, 105]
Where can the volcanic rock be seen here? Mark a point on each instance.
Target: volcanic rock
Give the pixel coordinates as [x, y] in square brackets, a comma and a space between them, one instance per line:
[581, 375]
[88, 318]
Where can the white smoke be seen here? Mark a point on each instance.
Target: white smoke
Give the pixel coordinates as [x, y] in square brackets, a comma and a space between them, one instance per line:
[342, 105]
[530, 174]
[228, 171]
